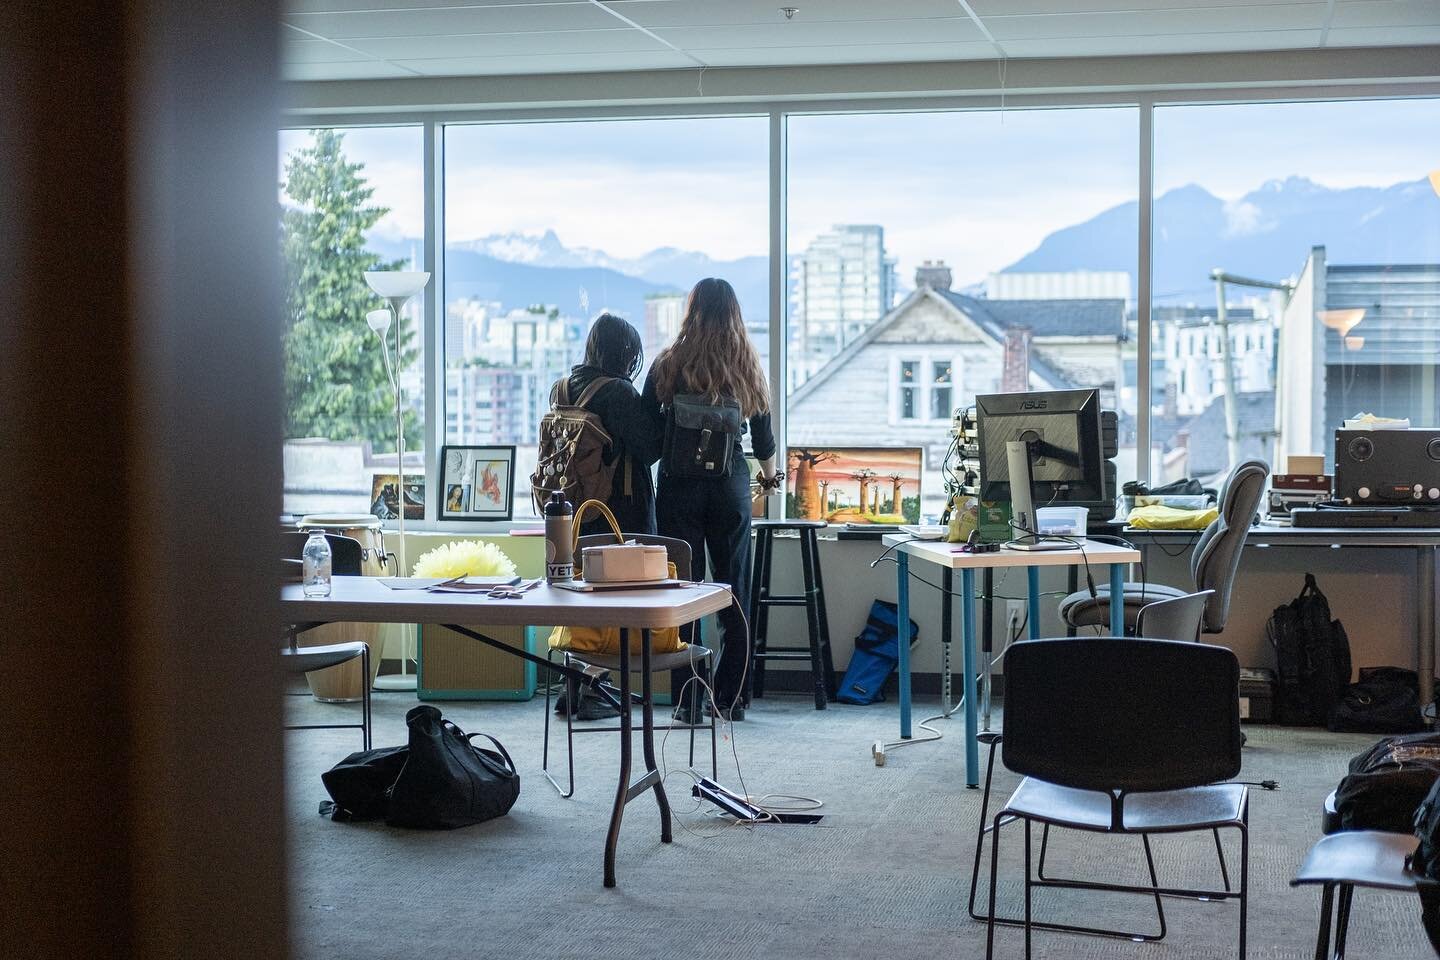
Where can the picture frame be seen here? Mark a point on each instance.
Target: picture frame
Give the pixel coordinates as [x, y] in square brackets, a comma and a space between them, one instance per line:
[386, 505]
[854, 485]
[477, 482]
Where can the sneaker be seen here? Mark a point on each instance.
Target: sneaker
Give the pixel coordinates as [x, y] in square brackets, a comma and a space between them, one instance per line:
[736, 712]
[684, 714]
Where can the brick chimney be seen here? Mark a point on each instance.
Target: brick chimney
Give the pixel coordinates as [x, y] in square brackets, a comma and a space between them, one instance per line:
[933, 274]
[1015, 375]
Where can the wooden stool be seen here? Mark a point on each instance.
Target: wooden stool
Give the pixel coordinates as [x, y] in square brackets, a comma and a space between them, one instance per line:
[822, 665]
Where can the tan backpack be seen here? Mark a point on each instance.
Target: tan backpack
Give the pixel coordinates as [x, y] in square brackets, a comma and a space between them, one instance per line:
[573, 446]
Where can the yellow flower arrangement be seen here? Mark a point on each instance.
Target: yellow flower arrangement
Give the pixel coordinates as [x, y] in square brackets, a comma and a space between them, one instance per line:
[465, 558]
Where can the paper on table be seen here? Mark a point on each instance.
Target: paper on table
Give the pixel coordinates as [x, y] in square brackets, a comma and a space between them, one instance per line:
[1368, 421]
[461, 584]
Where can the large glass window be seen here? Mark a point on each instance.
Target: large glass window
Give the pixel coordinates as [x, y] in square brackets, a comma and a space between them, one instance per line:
[1316, 227]
[936, 256]
[548, 224]
[351, 200]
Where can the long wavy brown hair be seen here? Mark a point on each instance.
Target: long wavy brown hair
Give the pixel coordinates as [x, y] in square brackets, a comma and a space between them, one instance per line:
[712, 355]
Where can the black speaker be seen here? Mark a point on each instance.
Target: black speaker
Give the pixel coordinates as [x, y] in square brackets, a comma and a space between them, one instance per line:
[1387, 467]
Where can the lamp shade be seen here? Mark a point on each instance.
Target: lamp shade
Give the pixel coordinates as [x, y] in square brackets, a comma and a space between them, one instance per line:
[397, 283]
[1342, 321]
[379, 321]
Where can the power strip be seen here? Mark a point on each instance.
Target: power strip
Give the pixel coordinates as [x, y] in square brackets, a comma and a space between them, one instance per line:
[733, 804]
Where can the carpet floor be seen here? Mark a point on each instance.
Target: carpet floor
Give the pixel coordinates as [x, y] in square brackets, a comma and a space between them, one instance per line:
[886, 873]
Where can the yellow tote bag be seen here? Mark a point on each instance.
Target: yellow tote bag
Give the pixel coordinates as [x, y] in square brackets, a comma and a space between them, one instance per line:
[606, 640]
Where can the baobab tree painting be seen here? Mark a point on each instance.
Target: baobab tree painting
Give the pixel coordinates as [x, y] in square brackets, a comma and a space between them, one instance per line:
[855, 484]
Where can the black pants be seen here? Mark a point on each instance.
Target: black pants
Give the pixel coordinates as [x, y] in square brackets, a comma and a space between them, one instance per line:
[713, 516]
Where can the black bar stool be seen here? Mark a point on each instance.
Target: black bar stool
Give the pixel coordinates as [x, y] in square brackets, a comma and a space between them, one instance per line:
[822, 665]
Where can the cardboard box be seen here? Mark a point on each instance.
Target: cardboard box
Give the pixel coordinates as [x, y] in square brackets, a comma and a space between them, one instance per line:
[1305, 464]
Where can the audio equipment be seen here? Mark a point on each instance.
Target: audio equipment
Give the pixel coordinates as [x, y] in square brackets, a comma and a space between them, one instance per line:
[1387, 467]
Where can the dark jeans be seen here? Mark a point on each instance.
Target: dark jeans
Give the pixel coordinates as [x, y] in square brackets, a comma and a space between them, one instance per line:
[713, 516]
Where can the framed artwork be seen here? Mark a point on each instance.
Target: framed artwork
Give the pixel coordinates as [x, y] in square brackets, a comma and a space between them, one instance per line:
[477, 483]
[854, 484]
[385, 503]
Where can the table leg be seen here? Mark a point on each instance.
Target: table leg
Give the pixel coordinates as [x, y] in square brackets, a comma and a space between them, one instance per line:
[902, 627]
[947, 633]
[647, 736]
[967, 633]
[1032, 582]
[1117, 590]
[1425, 623]
[987, 644]
[622, 791]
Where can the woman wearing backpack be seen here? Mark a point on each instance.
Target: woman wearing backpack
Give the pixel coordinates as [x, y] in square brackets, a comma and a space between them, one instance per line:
[710, 375]
[613, 353]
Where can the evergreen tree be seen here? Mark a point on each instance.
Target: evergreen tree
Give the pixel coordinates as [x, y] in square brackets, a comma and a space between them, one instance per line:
[335, 381]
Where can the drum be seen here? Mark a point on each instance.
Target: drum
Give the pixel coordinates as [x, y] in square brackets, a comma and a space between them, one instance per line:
[344, 683]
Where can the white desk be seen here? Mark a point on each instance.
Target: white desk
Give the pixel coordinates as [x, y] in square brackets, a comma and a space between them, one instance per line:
[949, 557]
[366, 599]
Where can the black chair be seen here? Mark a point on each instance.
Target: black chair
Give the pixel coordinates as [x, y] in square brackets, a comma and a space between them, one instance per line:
[1104, 748]
[817, 624]
[1213, 562]
[1342, 861]
[345, 559]
[694, 657]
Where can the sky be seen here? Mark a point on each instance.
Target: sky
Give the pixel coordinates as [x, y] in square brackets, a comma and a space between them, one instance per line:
[977, 189]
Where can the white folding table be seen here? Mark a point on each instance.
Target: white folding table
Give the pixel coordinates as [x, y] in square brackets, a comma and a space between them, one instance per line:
[367, 600]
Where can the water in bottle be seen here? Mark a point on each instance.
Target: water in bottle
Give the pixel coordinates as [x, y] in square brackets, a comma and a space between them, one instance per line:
[315, 560]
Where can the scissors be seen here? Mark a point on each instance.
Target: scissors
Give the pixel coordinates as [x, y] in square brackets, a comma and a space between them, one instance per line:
[512, 593]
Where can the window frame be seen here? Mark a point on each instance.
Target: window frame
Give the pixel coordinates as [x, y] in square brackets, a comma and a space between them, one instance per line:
[1291, 89]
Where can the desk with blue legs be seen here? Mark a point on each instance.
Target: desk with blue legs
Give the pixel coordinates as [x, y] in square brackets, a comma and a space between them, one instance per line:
[949, 558]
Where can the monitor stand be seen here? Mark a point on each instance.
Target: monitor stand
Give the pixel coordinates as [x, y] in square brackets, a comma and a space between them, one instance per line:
[1022, 502]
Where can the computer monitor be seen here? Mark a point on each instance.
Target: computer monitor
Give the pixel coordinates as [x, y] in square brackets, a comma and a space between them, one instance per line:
[1062, 432]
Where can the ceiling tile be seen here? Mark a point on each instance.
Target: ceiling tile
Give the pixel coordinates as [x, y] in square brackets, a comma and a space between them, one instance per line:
[708, 13]
[1385, 37]
[432, 22]
[848, 53]
[1391, 13]
[1182, 43]
[995, 8]
[579, 63]
[1158, 23]
[350, 6]
[319, 51]
[355, 70]
[800, 35]
[621, 40]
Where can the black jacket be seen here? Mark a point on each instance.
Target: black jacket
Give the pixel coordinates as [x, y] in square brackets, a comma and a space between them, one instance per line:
[762, 435]
[620, 409]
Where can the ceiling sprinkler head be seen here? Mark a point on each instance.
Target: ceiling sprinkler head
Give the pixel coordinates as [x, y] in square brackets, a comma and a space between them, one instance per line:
[789, 12]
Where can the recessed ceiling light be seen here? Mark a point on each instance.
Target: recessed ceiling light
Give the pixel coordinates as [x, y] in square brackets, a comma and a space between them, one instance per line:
[789, 12]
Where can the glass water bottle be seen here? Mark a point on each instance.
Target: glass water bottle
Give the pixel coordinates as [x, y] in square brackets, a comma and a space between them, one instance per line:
[316, 563]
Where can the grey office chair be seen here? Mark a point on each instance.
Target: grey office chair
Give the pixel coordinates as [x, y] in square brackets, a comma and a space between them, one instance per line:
[345, 559]
[694, 657]
[1175, 618]
[1212, 564]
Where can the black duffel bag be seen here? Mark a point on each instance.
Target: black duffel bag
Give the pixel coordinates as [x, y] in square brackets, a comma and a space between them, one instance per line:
[1383, 700]
[1387, 782]
[440, 780]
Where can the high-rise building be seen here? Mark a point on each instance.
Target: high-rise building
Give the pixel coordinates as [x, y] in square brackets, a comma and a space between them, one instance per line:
[839, 286]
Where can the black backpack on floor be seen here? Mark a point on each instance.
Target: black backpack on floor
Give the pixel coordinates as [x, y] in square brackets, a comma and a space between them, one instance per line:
[1312, 657]
[1387, 782]
[439, 781]
[1383, 700]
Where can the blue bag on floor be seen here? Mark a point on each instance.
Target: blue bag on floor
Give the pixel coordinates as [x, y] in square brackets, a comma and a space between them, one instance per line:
[877, 652]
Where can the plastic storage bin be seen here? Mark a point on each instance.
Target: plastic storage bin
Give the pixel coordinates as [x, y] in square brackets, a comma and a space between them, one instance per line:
[1062, 521]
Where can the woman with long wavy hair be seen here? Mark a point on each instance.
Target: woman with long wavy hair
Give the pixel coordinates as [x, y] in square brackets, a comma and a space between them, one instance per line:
[713, 361]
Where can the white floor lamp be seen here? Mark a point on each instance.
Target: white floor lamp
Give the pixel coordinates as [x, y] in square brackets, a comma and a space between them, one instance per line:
[396, 286]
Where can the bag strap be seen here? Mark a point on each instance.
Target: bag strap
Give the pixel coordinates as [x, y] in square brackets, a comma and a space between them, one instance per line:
[589, 392]
[580, 518]
[562, 392]
[498, 746]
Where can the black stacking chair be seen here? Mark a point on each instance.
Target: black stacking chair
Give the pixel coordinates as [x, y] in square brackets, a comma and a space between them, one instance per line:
[1213, 563]
[345, 558]
[1104, 747]
[1340, 862]
[694, 657]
